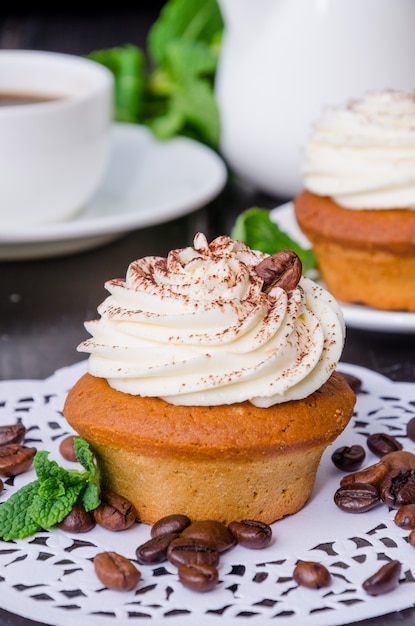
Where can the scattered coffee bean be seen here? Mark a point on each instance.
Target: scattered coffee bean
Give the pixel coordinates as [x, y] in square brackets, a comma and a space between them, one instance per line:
[353, 381]
[251, 534]
[373, 474]
[312, 575]
[282, 269]
[116, 572]
[115, 512]
[357, 497]
[405, 517]
[214, 533]
[411, 538]
[78, 520]
[66, 448]
[402, 459]
[15, 459]
[155, 550]
[349, 459]
[12, 433]
[398, 488]
[170, 524]
[384, 580]
[382, 443]
[410, 429]
[198, 577]
[1, 485]
[192, 551]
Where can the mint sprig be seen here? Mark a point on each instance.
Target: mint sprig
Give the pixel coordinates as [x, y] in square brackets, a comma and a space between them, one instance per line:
[169, 85]
[46, 501]
[255, 228]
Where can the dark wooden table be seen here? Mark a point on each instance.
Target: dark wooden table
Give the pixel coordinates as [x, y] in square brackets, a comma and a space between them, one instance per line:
[43, 303]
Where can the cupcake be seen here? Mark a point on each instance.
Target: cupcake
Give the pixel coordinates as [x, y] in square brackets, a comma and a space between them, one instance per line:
[212, 388]
[358, 204]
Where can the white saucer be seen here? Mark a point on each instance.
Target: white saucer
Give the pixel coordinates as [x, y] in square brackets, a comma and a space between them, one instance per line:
[147, 182]
[355, 315]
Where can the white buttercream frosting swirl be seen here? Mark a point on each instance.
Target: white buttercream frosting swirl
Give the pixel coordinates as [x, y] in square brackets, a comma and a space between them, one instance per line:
[195, 328]
[362, 155]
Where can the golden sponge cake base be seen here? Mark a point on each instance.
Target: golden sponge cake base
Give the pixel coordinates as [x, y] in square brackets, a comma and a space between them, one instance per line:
[365, 257]
[225, 462]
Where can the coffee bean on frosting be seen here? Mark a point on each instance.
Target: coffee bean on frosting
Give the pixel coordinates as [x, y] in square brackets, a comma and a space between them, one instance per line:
[282, 269]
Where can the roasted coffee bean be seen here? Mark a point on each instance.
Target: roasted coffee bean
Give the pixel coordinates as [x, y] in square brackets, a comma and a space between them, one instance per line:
[382, 443]
[213, 532]
[349, 459]
[405, 517]
[251, 534]
[410, 429]
[12, 433]
[373, 475]
[192, 551]
[170, 524]
[78, 520]
[353, 381]
[116, 571]
[115, 512]
[198, 577]
[66, 448]
[398, 488]
[282, 269]
[1, 485]
[155, 550]
[15, 459]
[357, 498]
[402, 459]
[312, 575]
[384, 580]
[411, 538]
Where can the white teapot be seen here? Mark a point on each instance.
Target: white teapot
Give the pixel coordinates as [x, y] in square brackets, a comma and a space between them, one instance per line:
[282, 61]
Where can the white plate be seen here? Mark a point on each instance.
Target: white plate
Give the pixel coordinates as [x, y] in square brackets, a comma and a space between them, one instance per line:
[50, 577]
[147, 182]
[355, 315]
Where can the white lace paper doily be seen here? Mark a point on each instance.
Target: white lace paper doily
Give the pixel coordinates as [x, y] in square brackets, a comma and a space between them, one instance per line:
[50, 578]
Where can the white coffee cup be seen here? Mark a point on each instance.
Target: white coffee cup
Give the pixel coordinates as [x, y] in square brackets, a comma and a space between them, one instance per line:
[53, 152]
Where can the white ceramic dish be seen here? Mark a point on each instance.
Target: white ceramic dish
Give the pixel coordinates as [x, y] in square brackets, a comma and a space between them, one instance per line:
[50, 577]
[147, 182]
[355, 315]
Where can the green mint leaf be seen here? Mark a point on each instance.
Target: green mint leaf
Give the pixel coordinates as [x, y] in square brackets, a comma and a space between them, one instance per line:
[47, 512]
[255, 228]
[90, 497]
[84, 455]
[127, 63]
[50, 469]
[15, 519]
[190, 20]
[51, 488]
